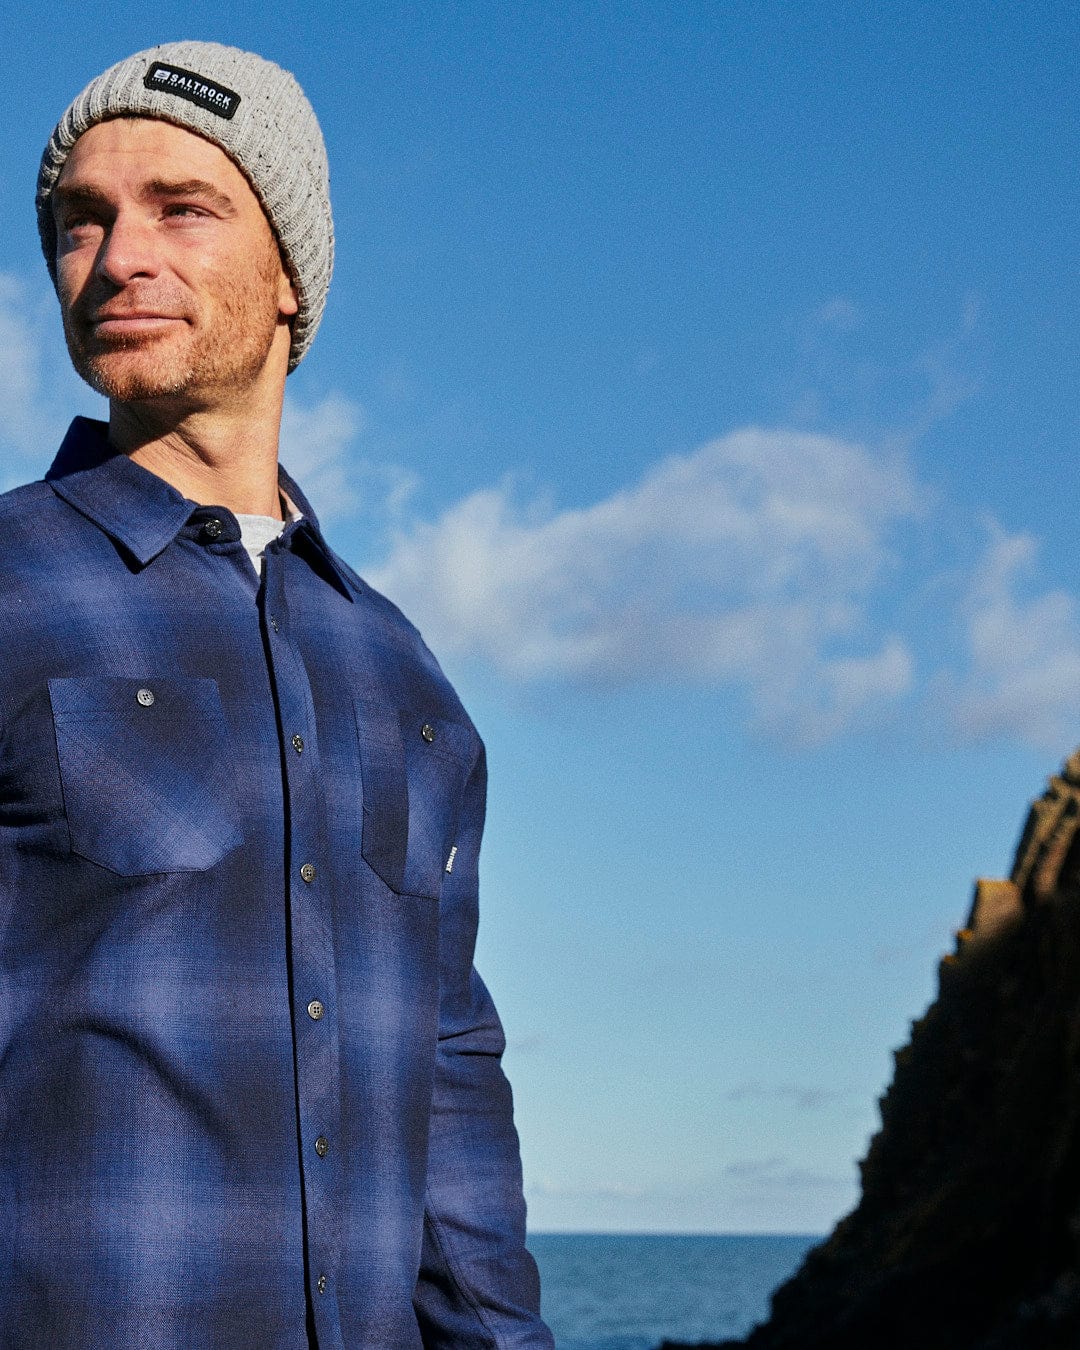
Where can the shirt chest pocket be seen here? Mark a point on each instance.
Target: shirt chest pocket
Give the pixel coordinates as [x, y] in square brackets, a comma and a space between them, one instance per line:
[413, 772]
[144, 766]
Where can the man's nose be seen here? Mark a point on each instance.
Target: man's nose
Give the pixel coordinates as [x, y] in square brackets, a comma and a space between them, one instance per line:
[128, 249]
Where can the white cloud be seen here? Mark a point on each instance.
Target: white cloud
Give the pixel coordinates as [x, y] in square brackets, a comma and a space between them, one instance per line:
[36, 381]
[318, 448]
[840, 313]
[777, 1172]
[616, 1190]
[753, 563]
[749, 562]
[1024, 652]
[801, 1096]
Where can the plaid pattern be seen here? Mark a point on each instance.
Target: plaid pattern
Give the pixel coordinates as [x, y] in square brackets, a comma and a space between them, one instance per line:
[249, 1080]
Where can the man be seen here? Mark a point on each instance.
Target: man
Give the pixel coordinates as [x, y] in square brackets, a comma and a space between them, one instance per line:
[251, 1089]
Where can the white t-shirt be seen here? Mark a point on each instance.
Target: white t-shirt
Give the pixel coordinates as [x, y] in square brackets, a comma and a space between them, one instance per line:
[257, 531]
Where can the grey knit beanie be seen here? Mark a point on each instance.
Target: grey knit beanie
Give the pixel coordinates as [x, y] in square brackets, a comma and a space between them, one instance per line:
[257, 113]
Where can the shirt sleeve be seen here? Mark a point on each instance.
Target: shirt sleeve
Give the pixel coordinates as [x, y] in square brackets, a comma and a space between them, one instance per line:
[478, 1286]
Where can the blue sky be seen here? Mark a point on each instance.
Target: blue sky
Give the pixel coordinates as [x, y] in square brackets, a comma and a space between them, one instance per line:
[703, 380]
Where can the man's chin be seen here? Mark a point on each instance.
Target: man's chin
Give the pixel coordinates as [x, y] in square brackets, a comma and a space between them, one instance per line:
[133, 376]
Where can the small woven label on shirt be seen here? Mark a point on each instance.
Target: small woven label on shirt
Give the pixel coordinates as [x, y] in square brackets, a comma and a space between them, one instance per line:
[213, 97]
[450, 860]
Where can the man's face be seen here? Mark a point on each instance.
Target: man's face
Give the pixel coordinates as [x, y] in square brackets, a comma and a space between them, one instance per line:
[170, 278]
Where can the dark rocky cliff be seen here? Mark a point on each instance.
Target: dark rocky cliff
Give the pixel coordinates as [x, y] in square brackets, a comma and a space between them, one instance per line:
[967, 1235]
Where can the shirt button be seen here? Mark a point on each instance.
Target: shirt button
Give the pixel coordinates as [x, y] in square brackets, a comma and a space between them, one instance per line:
[298, 744]
[145, 697]
[308, 872]
[273, 623]
[212, 529]
[428, 732]
[321, 1146]
[315, 1009]
[320, 1284]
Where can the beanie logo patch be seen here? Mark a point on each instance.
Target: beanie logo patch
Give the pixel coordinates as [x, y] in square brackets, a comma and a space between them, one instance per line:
[198, 89]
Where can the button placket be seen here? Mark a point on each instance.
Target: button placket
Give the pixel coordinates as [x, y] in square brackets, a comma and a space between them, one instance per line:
[311, 935]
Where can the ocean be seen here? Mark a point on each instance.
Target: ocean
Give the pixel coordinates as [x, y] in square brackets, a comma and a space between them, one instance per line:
[622, 1292]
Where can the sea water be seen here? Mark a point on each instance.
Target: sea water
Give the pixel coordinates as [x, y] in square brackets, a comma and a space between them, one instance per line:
[621, 1292]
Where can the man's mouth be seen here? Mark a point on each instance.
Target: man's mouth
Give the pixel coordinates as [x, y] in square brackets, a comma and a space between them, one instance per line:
[131, 323]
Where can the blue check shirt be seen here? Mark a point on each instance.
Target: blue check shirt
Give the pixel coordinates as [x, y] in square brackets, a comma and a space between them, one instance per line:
[250, 1082]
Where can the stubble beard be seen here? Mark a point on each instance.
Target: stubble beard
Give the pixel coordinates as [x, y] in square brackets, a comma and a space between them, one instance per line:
[224, 348]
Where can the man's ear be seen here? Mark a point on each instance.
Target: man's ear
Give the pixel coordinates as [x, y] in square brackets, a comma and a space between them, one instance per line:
[288, 299]
[288, 295]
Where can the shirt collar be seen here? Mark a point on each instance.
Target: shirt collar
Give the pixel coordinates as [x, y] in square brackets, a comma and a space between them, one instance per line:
[140, 510]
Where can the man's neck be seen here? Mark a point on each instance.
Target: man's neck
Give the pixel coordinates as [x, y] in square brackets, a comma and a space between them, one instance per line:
[221, 455]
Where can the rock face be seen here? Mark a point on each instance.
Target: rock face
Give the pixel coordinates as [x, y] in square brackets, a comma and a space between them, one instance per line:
[967, 1235]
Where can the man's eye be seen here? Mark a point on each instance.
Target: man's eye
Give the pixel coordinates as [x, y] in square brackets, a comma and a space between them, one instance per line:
[182, 210]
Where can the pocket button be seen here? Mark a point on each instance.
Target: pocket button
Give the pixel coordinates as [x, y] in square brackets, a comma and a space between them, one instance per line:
[145, 697]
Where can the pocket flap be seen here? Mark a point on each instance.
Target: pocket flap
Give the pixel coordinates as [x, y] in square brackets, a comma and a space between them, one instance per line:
[412, 776]
[144, 765]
